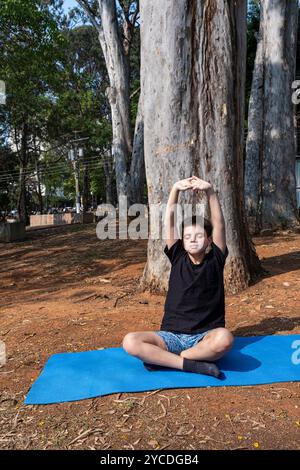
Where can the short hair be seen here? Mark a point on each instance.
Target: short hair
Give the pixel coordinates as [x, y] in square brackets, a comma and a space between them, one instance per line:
[193, 221]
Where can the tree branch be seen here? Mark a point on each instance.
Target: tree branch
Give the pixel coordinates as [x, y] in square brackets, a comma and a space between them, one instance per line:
[90, 13]
[136, 13]
[125, 9]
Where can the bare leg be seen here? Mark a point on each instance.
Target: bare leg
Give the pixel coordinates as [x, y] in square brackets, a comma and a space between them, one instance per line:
[212, 347]
[151, 348]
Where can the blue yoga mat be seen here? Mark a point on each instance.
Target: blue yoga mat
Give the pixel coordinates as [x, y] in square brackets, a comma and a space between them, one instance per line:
[76, 376]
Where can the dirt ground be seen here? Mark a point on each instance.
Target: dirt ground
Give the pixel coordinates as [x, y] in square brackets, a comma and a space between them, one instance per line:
[64, 290]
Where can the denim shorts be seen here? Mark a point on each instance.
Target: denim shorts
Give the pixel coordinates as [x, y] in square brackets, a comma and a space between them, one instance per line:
[178, 342]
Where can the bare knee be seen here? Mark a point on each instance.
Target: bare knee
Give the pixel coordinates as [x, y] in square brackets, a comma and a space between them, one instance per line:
[222, 341]
[131, 343]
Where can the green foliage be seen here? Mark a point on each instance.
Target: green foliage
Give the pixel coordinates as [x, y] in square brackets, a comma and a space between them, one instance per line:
[31, 43]
[55, 77]
[81, 99]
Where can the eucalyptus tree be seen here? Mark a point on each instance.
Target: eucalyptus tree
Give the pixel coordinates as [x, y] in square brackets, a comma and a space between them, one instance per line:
[117, 25]
[193, 61]
[270, 185]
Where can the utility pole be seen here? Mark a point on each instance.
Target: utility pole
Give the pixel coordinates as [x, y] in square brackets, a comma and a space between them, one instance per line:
[77, 189]
[73, 159]
[86, 187]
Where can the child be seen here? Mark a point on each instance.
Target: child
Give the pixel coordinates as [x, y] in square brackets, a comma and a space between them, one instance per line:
[192, 334]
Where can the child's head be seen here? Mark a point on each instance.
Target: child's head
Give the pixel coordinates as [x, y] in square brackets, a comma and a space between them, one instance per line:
[195, 236]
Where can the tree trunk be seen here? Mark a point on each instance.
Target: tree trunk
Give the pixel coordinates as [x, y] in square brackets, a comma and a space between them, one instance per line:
[108, 173]
[38, 176]
[193, 118]
[270, 185]
[39, 190]
[118, 93]
[86, 187]
[23, 159]
[254, 141]
[22, 203]
[116, 51]
[137, 169]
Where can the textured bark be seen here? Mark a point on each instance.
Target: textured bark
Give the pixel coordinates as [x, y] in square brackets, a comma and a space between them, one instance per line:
[192, 78]
[254, 140]
[137, 168]
[270, 185]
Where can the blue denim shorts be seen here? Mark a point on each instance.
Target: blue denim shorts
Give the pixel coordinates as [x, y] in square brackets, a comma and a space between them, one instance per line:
[178, 342]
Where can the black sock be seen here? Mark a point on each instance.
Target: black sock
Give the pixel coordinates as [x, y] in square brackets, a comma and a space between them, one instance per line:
[201, 367]
[198, 367]
[153, 367]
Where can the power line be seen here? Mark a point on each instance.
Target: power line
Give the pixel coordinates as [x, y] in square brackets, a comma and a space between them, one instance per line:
[51, 165]
[62, 164]
[53, 172]
[46, 174]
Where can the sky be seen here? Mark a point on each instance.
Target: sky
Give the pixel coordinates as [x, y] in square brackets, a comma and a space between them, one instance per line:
[69, 4]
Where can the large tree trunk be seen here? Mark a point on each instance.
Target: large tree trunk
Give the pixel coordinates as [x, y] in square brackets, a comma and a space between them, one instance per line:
[270, 186]
[253, 172]
[193, 117]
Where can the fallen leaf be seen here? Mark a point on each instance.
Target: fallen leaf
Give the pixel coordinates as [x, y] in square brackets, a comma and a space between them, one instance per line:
[153, 443]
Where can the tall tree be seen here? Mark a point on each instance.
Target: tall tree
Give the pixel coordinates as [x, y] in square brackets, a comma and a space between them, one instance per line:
[81, 110]
[116, 43]
[193, 117]
[270, 186]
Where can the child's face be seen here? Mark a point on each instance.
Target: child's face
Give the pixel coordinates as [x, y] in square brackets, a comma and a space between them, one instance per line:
[195, 239]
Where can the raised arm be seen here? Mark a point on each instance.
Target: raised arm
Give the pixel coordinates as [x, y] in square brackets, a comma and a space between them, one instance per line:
[217, 218]
[171, 230]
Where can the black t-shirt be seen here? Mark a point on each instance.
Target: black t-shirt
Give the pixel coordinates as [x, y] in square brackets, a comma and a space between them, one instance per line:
[195, 299]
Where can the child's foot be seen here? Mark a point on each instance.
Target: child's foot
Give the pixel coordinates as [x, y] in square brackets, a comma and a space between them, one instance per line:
[198, 367]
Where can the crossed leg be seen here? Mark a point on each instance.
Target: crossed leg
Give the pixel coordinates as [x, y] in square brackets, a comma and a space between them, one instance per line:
[151, 348]
[212, 347]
